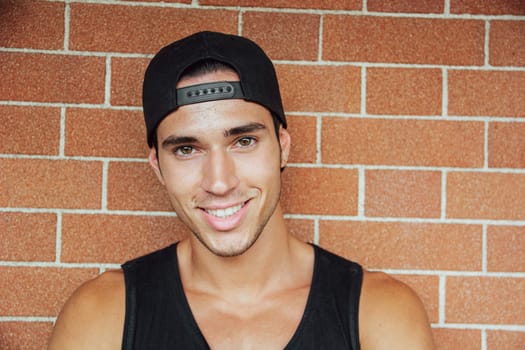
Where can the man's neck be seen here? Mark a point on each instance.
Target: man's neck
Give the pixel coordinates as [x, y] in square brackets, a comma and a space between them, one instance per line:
[276, 261]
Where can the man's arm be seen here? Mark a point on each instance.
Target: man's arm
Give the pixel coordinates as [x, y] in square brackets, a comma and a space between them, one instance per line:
[93, 317]
[391, 316]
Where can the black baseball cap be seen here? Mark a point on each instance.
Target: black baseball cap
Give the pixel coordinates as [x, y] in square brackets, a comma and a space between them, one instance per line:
[258, 81]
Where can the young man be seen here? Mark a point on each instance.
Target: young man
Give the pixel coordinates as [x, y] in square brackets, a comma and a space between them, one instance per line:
[218, 139]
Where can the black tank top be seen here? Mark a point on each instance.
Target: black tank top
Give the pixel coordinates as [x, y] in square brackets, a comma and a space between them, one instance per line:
[158, 315]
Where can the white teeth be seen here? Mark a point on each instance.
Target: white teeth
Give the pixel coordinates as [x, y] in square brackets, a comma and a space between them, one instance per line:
[224, 213]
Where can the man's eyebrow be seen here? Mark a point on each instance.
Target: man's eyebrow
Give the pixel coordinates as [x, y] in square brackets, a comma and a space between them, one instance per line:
[244, 129]
[177, 140]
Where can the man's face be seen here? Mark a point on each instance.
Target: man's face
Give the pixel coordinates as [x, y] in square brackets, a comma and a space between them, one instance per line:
[220, 162]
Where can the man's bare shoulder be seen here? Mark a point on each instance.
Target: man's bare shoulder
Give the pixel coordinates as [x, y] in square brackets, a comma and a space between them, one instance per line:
[391, 315]
[93, 317]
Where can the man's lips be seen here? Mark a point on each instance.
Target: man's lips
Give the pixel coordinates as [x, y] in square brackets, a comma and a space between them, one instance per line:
[226, 212]
[227, 218]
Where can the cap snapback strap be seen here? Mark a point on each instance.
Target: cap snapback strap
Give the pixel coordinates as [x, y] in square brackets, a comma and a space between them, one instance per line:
[222, 90]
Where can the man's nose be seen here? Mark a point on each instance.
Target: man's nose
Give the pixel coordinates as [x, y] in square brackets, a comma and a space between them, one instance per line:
[219, 173]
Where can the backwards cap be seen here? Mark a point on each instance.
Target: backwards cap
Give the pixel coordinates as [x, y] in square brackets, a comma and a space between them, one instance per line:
[258, 81]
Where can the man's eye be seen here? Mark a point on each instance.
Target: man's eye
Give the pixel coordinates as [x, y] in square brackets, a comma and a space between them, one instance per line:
[246, 141]
[184, 150]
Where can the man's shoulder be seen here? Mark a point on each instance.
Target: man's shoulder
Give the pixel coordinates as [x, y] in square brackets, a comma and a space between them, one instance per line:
[93, 315]
[391, 309]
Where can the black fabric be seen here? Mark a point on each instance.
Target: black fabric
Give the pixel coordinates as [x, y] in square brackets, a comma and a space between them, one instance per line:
[255, 69]
[158, 315]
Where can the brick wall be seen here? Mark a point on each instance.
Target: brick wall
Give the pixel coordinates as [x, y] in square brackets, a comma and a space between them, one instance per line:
[408, 126]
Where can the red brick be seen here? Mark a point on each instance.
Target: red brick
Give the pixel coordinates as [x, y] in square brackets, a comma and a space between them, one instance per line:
[127, 75]
[507, 145]
[490, 300]
[403, 91]
[454, 339]
[402, 142]
[24, 335]
[488, 7]
[20, 231]
[405, 245]
[403, 40]
[22, 19]
[301, 228]
[305, 4]
[38, 291]
[175, 1]
[505, 248]
[116, 238]
[140, 29]
[320, 88]
[427, 288]
[105, 133]
[303, 131]
[507, 47]
[284, 36]
[50, 184]
[397, 193]
[134, 186]
[320, 191]
[30, 130]
[486, 93]
[52, 78]
[421, 6]
[505, 340]
[486, 196]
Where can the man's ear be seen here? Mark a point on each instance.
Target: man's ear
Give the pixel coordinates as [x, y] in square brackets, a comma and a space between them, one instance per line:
[285, 141]
[154, 162]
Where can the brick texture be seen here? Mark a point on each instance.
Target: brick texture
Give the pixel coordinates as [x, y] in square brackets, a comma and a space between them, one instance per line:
[486, 195]
[101, 240]
[488, 7]
[38, 291]
[423, 6]
[512, 340]
[453, 339]
[21, 19]
[405, 245]
[93, 26]
[24, 335]
[403, 91]
[482, 93]
[402, 142]
[341, 87]
[507, 145]
[303, 131]
[30, 130]
[284, 36]
[51, 78]
[317, 4]
[394, 193]
[121, 133]
[407, 121]
[19, 233]
[507, 47]
[126, 80]
[320, 191]
[134, 186]
[53, 184]
[506, 245]
[403, 40]
[485, 300]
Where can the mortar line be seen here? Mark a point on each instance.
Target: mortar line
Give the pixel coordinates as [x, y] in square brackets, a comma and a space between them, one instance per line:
[67, 17]
[62, 133]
